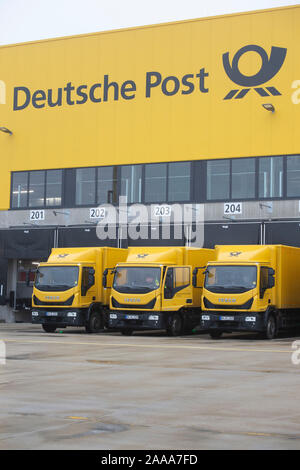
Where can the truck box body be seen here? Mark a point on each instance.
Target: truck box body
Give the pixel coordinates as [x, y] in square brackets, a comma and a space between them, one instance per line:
[138, 301]
[238, 292]
[68, 287]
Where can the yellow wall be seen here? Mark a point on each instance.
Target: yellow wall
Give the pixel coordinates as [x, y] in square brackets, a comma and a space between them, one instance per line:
[198, 125]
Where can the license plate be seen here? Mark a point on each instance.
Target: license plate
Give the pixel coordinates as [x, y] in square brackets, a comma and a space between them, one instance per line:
[227, 318]
[51, 314]
[131, 317]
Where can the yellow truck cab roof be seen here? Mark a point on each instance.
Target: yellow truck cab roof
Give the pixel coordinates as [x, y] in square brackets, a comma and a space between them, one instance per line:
[163, 255]
[245, 253]
[72, 256]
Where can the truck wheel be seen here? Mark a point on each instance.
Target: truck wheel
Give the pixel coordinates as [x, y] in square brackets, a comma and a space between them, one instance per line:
[127, 332]
[270, 332]
[215, 334]
[49, 328]
[176, 325]
[95, 323]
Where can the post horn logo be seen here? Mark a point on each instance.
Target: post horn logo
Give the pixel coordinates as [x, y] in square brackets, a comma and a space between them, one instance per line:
[2, 92]
[269, 68]
[235, 253]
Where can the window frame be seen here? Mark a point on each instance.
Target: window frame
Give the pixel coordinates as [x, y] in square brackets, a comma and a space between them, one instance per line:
[44, 206]
[198, 183]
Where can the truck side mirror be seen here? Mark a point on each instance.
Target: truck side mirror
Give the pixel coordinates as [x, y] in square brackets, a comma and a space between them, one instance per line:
[194, 278]
[271, 280]
[104, 278]
[168, 289]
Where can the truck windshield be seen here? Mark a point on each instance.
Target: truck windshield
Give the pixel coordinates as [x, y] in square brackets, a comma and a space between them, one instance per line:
[56, 278]
[238, 279]
[136, 280]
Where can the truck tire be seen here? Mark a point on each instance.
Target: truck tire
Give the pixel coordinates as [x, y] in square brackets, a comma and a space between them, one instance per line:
[49, 328]
[216, 334]
[271, 327]
[175, 327]
[127, 332]
[94, 323]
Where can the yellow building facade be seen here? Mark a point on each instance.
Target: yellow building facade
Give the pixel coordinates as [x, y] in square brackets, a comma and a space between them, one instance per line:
[201, 112]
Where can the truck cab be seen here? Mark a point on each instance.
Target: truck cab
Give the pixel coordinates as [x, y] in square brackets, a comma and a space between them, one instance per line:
[237, 293]
[156, 295]
[68, 289]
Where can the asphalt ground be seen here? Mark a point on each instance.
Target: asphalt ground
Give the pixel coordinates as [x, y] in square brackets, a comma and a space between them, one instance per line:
[71, 391]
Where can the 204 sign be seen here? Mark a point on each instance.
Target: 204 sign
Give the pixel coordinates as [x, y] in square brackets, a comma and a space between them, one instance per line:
[231, 208]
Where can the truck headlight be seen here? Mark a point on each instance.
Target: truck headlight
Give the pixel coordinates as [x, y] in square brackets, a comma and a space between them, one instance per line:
[113, 316]
[153, 317]
[35, 314]
[205, 317]
[71, 314]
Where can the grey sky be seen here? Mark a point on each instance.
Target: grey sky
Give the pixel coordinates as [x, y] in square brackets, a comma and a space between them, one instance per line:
[29, 20]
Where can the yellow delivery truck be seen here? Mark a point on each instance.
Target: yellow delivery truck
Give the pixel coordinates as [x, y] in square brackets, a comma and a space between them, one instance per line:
[68, 288]
[158, 288]
[252, 288]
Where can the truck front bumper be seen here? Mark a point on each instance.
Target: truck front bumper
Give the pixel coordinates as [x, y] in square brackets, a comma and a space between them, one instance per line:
[61, 317]
[232, 321]
[137, 320]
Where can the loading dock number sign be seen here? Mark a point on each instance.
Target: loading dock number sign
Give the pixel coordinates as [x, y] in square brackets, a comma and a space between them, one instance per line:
[37, 215]
[231, 208]
[97, 213]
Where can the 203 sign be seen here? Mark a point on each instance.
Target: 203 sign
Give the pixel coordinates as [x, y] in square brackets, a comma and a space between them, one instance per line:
[162, 211]
[231, 208]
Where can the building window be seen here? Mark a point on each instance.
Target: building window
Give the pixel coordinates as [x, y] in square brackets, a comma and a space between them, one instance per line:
[19, 190]
[179, 178]
[270, 177]
[85, 186]
[107, 185]
[36, 189]
[218, 179]
[156, 182]
[131, 183]
[53, 187]
[293, 176]
[243, 178]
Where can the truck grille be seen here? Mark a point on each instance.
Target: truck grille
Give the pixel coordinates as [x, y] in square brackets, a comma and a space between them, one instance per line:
[54, 303]
[149, 306]
[221, 306]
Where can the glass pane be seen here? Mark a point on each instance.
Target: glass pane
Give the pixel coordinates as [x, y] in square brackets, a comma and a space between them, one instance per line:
[36, 188]
[19, 189]
[53, 187]
[179, 181]
[131, 183]
[136, 280]
[181, 277]
[243, 178]
[107, 185]
[293, 176]
[218, 179]
[156, 182]
[270, 177]
[85, 186]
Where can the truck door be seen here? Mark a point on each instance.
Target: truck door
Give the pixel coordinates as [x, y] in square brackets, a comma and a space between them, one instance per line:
[177, 288]
[88, 287]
